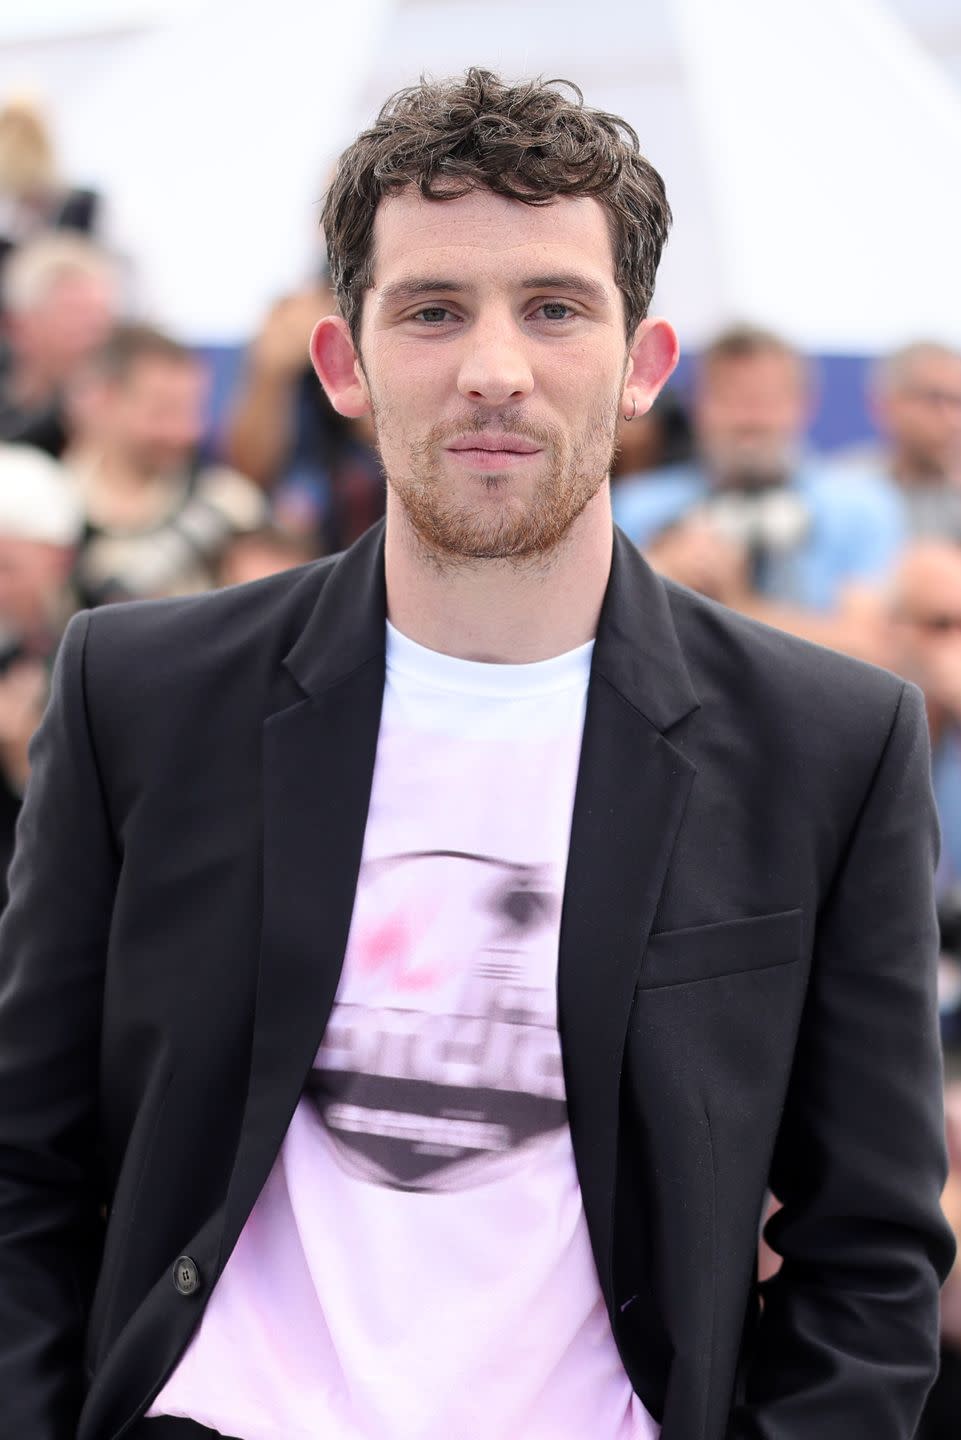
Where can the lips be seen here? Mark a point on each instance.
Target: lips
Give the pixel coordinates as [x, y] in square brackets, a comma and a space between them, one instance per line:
[494, 445]
[489, 454]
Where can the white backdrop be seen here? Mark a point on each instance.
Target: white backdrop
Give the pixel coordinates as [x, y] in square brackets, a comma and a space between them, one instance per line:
[811, 148]
[210, 130]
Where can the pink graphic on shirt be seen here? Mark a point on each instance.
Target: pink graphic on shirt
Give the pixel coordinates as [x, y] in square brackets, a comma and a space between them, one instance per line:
[394, 949]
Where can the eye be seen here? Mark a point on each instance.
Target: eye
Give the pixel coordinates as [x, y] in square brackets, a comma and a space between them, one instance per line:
[555, 310]
[432, 314]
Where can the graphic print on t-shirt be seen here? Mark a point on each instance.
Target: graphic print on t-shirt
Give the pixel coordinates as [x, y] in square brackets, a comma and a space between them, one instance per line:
[441, 1059]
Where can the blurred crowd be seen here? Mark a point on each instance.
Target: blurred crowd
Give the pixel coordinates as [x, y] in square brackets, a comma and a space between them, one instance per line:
[111, 488]
[111, 485]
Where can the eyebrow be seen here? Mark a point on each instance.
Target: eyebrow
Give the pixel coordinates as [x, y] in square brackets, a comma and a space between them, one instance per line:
[571, 285]
[403, 290]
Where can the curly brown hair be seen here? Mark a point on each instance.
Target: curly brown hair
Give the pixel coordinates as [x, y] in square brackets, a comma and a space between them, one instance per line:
[530, 142]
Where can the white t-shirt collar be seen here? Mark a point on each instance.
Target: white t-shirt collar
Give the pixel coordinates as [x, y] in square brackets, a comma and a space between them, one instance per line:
[406, 657]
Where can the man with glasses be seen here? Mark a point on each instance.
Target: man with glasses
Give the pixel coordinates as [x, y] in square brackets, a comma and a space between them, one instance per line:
[916, 400]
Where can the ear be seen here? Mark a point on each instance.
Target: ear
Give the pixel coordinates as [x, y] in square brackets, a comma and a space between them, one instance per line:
[338, 367]
[650, 364]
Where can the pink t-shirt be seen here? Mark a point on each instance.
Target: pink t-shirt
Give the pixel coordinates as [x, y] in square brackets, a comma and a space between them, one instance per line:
[417, 1266]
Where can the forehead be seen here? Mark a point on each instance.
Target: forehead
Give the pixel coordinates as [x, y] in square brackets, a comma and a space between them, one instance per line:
[760, 370]
[149, 372]
[934, 368]
[482, 235]
[72, 286]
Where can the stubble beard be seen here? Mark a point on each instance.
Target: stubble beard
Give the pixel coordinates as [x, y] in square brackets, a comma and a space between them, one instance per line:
[524, 527]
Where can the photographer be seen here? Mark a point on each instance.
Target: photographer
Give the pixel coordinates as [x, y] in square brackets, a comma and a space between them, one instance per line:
[157, 518]
[754, 521]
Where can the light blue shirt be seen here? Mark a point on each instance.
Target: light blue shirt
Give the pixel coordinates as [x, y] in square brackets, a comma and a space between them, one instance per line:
[855, 532]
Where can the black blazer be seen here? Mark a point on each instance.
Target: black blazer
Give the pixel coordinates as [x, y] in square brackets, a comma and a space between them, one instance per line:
[746, 994]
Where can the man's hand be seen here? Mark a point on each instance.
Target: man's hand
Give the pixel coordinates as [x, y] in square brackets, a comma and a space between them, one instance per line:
[280, 351]
[695, 553]
[262, 425]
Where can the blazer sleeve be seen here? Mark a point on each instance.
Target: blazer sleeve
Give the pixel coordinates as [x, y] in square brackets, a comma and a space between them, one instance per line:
[53, 940]
[847, 1345]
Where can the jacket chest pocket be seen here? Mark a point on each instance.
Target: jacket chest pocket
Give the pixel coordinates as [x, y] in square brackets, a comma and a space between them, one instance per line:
[726, 948]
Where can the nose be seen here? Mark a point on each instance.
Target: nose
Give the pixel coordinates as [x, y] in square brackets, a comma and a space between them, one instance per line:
[495, 369]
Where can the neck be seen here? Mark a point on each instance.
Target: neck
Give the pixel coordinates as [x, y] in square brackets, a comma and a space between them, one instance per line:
[501, 611]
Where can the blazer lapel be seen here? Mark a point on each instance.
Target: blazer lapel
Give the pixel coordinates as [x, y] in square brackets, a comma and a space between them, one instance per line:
[631, 792]
[318, 762]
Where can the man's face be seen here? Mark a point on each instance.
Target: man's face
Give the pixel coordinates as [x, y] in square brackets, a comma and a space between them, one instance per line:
[922, 416]
[72, 319]
[494, 353]
[751, 414]
[32, 573]
[154, 416]
[927, 616]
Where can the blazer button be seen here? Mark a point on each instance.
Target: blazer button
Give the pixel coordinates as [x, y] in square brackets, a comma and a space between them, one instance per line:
[186, 1275]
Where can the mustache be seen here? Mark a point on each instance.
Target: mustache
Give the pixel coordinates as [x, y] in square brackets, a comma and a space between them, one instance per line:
[507, 422]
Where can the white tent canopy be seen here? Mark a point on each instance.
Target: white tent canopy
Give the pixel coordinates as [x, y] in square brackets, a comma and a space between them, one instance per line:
[811, 150]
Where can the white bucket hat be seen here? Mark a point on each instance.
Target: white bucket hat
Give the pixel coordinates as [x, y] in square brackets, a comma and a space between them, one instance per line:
[37, 501]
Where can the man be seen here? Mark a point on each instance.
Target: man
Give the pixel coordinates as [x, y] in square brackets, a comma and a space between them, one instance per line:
[429, 957]
[756, 522]
[60, 298]
[39, 527]
[916, 399]
[158, 519]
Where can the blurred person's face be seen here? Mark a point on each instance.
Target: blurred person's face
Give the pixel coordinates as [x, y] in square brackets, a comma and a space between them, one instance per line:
[73, 319]
[32, 573]
[921, 416]
[750, 414]
[153, 419]
[927, 615]
[494, 358]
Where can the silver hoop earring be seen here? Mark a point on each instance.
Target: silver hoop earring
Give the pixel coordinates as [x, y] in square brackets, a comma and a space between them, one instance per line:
[633, 414]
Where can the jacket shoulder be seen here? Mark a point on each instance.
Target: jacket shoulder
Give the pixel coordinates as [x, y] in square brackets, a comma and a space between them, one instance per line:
[773, 674]
[194, 633]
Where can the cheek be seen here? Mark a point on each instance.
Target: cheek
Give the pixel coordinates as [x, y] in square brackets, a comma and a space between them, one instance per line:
[395, 437]
[582, 378]
[404, 373]
[409, 405]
